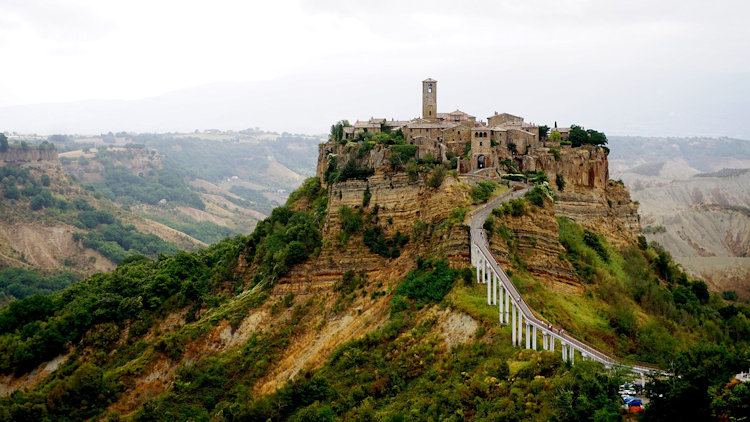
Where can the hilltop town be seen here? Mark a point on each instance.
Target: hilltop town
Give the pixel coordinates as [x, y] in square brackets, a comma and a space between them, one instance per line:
[504, 146]
[442, 135]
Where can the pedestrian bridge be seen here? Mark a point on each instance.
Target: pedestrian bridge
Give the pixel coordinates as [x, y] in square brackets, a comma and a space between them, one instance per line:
[526, 328]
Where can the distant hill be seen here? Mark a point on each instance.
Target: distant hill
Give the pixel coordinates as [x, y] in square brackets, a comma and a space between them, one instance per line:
[693, 194]
[114, 195]
[53, 226]
[208, 184]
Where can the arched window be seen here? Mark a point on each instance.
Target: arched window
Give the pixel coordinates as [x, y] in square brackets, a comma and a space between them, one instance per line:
[429, 88]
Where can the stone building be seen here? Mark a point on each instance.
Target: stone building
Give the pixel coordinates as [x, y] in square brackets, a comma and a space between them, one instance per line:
[441, 134]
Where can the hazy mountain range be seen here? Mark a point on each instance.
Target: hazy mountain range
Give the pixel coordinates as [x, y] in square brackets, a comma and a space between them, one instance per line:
[311, 103]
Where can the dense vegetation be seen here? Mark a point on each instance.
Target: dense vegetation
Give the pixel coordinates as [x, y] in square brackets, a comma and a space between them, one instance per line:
[121, 185]
[204, 231]
[18, 183]
[701, 388]
[402, 372]
[117, 241]
[20, 283]
[38, 328]
[680, 309]
[357, 221]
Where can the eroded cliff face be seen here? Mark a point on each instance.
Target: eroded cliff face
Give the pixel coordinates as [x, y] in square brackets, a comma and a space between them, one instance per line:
[589, 197]
[534, 242]
[28, 155]
[375, 158]
[396, 205]
[585, 167]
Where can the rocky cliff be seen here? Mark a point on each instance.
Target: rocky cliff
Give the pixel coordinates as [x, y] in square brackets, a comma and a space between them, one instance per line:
[396, 205]
[27, 155]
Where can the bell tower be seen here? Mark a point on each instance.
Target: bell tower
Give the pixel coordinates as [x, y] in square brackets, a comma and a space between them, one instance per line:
[429, 99]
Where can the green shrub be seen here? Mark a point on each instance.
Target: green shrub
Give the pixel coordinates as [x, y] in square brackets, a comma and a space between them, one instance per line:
[555, 153]
[489, 224]
[375, 239]
[436, 177]
[594, 241]
[366, 197]
[428, 283]
[352, 171]
[560, 182]
[729, 295]
[351, 222]
[654, 229]
[404, 152]
[482, 191]
[412, 170]
[536, 196]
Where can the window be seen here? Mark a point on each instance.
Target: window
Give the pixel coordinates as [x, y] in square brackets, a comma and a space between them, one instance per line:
[480, 143]
[429, 88]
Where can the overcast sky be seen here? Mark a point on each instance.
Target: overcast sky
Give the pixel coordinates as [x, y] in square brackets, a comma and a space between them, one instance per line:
[669, 67]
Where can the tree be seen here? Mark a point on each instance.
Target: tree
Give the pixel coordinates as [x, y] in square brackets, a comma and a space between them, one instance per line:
[543, 132]
[337, 130]
[436, 176]
[555, 136]
[12, 192]
[3, 142]
[697, 371]
[596, 138]
[45, 180]
[577, 136]
[37, 203]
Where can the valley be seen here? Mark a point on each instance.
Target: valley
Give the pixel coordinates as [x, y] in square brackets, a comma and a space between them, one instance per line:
[694, 197]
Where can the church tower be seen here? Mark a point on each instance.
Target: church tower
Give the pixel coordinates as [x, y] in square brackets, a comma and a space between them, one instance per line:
[429, 99]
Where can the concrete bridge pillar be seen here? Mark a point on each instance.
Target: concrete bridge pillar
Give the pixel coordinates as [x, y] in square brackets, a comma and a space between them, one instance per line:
[572, 354]
[500, 302]
[519, 337]
[544, 340]
[495, 287]
[564, 348]
[552, 343]
[477, 265]
[488, 280]
[528, 335]
[507, 306]
[513, 324]
[533, 337]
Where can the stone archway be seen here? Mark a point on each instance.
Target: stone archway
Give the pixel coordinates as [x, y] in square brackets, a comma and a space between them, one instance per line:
[481, 161]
